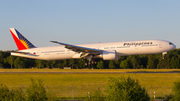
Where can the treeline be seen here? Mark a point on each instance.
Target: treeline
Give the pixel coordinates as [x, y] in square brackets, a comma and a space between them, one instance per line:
[150, 61]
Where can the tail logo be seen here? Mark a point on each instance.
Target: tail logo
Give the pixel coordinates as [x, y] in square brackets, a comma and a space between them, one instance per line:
[20, 40]
[25, 43]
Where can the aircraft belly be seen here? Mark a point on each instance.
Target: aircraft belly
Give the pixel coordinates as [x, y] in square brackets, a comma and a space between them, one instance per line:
[58, 56]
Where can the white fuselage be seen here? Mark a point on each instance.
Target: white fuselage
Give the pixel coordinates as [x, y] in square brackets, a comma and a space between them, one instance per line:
[121, 48]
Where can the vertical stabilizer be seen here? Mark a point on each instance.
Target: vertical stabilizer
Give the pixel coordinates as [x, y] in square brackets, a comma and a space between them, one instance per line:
[21, 42]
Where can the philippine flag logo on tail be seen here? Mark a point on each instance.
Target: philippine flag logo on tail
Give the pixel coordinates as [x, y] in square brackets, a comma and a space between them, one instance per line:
[21, 42]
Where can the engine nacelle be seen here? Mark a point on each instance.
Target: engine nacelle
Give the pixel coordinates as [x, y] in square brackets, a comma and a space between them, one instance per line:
[109, 55]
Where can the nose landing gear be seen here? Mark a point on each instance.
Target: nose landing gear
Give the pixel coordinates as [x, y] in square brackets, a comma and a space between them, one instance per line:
[163, 54]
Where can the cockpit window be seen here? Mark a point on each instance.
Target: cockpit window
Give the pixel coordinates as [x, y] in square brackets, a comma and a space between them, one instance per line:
[170, 43]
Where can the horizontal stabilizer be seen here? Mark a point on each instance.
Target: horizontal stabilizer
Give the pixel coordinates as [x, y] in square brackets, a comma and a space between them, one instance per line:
[20, 52]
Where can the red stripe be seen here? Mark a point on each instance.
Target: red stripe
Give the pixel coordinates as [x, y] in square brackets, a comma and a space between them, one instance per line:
[18, 42]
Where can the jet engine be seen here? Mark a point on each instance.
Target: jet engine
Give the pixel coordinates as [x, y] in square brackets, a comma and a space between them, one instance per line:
[109, 55]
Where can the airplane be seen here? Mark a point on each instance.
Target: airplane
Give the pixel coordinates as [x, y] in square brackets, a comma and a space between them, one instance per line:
[106, 51]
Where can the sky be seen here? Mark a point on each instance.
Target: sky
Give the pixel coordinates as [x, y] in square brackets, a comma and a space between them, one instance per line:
[89, 21]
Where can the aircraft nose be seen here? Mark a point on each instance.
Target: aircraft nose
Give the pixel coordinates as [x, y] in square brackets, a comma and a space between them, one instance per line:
[174, 46]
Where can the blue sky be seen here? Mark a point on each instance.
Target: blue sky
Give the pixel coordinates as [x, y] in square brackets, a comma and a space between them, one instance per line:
[92, 21]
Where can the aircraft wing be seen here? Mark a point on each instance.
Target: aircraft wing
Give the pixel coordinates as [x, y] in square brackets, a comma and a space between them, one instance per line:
[79, 48]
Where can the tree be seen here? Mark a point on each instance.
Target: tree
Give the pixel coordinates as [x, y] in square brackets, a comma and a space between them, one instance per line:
[117, 63]
[1, 56]
[125, 89]
[176, 91]
[174, 64]
[17, 94]
[111, 64]
[1, 59]
[161, 64]
[50, 63]
[10, 95]
[151, 61]
[71, 63]
[124, 64]
[143, 60]
[36, 91]
[29, 63]
[10, 60]
[100, 64]
[135, 62]
[81, 63]
[19, 62]
[60, 63]
[5, 93]
[39, 63]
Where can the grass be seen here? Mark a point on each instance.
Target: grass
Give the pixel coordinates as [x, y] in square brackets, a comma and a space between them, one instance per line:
[90, 70]
[61, 84]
